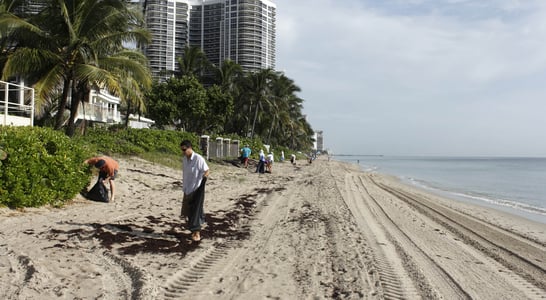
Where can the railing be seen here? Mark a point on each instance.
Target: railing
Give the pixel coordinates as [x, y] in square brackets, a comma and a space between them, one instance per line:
[98, 112]
[16, 104]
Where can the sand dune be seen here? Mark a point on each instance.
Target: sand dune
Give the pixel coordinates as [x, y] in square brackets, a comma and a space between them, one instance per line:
[313, 231]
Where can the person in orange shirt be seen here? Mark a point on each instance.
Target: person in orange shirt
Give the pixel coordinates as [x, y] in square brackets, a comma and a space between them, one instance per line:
[108, 169]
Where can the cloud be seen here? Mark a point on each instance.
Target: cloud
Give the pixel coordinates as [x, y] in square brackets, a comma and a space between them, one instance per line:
[439, 48]
[409, 61]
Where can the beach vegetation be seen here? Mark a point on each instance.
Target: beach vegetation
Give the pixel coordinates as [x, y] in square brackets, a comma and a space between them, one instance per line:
[135, 142]
[42, 166]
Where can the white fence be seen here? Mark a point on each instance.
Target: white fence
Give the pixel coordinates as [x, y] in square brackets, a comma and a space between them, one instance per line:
[220, 148]
[16, 104]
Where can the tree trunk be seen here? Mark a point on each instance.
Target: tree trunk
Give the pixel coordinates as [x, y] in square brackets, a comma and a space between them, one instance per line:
[127, 113]
[247, 127]
[62, 104]
[84, 121]
[271, 130]
[78, 95]
[254, 122]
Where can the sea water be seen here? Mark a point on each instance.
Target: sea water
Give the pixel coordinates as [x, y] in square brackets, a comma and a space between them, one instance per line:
[512, 184]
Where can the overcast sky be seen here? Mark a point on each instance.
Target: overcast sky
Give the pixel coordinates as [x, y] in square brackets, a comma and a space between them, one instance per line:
[419, 77]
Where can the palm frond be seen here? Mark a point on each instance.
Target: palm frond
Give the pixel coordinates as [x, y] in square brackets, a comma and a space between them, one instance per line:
[26, 61]
[98, 76]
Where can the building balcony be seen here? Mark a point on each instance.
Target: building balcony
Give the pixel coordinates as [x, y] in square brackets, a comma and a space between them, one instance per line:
[16, 104]
[102, 107]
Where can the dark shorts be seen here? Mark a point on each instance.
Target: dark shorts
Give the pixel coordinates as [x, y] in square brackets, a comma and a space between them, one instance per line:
[103, 175]
[192, 208]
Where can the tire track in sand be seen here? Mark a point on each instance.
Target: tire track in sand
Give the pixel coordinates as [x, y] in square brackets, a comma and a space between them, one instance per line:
[216, 263]
[408, 255]
[523, 259]
[287, 230]
[341, 266]
[396, 282]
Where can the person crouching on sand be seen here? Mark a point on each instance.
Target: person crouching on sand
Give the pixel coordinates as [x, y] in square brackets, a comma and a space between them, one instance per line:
[108, 169]
[293, 159]
[195, 172]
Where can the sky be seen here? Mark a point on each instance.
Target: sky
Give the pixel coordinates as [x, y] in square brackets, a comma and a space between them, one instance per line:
[419, 77]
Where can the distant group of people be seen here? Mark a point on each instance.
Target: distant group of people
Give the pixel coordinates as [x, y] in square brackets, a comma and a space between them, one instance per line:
[265, 162]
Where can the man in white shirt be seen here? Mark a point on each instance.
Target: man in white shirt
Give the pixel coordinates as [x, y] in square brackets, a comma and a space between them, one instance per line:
[194, 176]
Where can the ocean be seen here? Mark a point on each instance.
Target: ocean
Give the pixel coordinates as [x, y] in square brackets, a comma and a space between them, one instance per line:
[511, 184]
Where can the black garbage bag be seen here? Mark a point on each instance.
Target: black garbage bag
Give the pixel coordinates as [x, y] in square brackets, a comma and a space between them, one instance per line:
[192, 207]
[99, 192]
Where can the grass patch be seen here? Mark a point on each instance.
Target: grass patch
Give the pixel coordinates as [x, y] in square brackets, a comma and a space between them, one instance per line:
[165, 159]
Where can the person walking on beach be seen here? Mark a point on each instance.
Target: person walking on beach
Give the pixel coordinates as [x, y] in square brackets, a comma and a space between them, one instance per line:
[261, 163]
[245, 154]
[108, 169]
[195, 172]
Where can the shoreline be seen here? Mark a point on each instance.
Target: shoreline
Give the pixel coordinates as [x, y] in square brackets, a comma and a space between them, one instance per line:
[322, 230]
[510, 206]
[511, 209]
[483, 210]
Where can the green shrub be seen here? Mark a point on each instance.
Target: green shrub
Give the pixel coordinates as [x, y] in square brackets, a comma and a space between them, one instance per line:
[137, 141]
[3, 155]
[42, 166]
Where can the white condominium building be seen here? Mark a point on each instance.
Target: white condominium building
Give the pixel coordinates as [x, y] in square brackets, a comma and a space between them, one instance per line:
[168, 22]
[240, 30]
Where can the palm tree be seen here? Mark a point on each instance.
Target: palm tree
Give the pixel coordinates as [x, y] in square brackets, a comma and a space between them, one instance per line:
[256, 87]
[194, 62]
[132, 94]
[227, 75]
[74, 45]
[283, 91]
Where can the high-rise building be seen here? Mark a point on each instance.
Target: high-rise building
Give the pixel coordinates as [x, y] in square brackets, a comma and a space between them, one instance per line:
[239, 30]
[250, 30]
[29, 7]
[207, 28]
[319, 140]
[167, 20]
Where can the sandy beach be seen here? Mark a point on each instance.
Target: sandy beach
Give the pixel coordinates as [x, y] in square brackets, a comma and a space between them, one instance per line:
[324, 230]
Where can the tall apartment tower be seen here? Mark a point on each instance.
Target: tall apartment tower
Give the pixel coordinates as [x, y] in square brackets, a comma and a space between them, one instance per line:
[250, 34]
[239, 30]
[320, 140]
[168, 22]
[30, 7]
